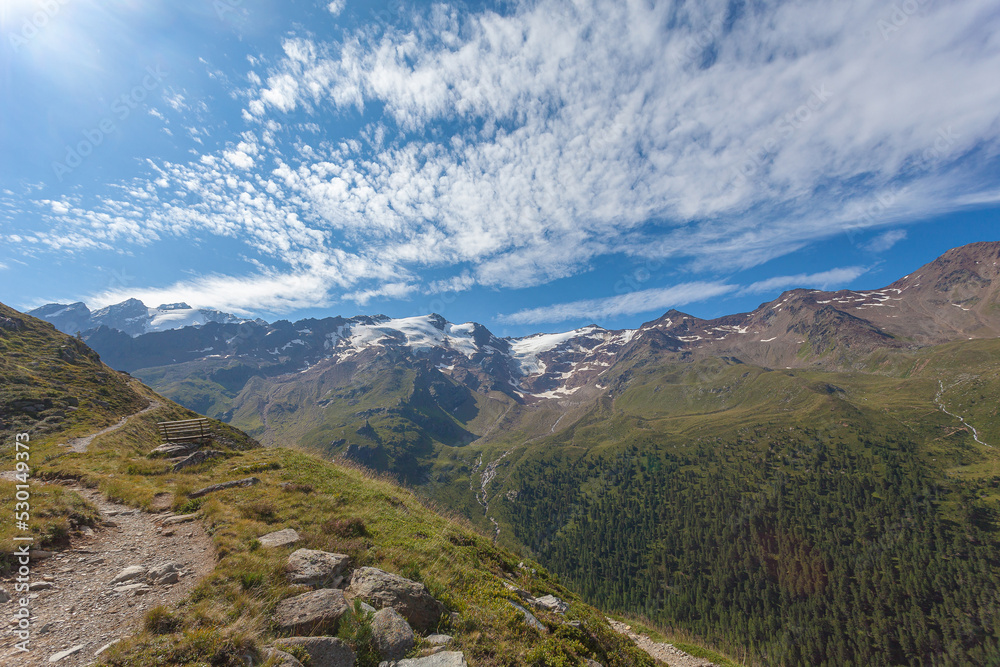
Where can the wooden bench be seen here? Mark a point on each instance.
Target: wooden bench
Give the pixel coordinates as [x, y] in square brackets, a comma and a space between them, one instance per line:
[187, 430]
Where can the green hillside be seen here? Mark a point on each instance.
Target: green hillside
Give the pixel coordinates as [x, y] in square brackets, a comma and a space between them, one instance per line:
[334, 508]
[805, 517]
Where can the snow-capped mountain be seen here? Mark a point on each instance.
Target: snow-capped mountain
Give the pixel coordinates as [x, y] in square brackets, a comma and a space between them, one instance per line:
[131, 316]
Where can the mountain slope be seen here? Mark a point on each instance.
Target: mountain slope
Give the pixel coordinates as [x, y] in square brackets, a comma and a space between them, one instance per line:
[228, 619]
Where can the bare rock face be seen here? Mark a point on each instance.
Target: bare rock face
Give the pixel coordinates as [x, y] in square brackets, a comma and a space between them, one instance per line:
[323, 651]
[315, 568]
[551, 603]
[412, 600]
[316, 611]
[280, 658]
[279, 538]
[393, 636]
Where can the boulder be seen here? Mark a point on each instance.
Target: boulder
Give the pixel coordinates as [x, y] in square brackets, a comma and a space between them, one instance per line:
[165, 573]
[279, 538]
[551, 603]
[172, 450]
[438, 640]
[311, 612]
[4, 596]
[128, 574]
[280, 658]
[323, 651]
[180, 518]
[443, 659]
[315, 568]
[196, 458]
[412, 600]
[249, 481]
[392, 635]
[529, 618]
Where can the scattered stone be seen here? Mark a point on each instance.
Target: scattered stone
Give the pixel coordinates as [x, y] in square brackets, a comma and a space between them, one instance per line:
[438, 640]
[551, 603]
[367, 608]
[128, 574]
[412, 600]
[392, 635]
[4, 596]
[280, 658]
[249, 481]
[196, 458]
[45, 628]
[40, 554]
[315, 568]
[323, 651]
[279, 538]
[519, 592]
[587, 662]
[65, 654]
[180, 518]
[311, 612]
[135, 589]
[529, 618]
[40, 586]
[443, 659]
[172, 450]
[48, 577]
[105, 647]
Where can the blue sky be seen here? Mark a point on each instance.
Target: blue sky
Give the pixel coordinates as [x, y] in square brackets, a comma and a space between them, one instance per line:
[528, 165]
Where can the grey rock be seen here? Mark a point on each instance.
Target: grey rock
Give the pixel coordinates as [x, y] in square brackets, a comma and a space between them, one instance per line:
[412, 600]
[587, 662]
[279, 538]
[367, 608]
[519, 592]
[165, 573]
[40, 585]
[172, 450]
[180, 518]
[310, 612]
[128, 574]
[196, 458]
[249, 481]
[392, 635]
[529, 618]
[315, 568]
[280, 658]
[323, 651]
[4, 596]
[551, 603]
[443, 659]
[65, 654]
[438, 640]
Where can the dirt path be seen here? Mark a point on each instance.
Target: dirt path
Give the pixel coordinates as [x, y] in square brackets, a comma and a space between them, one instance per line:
[82, 608]
[80, 444]
[663, 652]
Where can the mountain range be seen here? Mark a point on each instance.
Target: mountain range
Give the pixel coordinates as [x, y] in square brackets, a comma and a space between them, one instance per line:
[813, 482]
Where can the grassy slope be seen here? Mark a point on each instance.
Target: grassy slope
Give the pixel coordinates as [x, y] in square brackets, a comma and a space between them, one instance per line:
[336, 508]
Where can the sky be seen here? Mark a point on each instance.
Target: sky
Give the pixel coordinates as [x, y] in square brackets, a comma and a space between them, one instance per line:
[533, 166]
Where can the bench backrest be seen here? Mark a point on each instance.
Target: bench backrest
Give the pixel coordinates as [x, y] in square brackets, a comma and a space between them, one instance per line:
[187, 430]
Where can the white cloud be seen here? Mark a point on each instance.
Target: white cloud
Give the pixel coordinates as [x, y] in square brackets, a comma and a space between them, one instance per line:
[336, 7]
[885, 241]
[649, 300]
[824, 280]
[388, 290]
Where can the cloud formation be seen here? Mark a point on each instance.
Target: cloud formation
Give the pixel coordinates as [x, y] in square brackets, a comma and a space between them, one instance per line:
[523, 146]
[824, 280]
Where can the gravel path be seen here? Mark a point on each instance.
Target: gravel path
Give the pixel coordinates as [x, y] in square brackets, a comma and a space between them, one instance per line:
[82, 608]
[663, 652]
[80, 444]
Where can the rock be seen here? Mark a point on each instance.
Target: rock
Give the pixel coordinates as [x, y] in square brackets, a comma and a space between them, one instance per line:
[587, 662]
[315, 568]
[519, 592]
[323, 651]
[40, 585]
[128, 574]
[165, 573]
[392, 635]
[180, 518]
[438, 640]
[40, 554]
[249, 481]
[279, 538]
[443, 659]
[529, 618]
[105, 647]
[135, 589]
[412, 600]
[4, 596]
[311, 612]
[196, 458]
[551, 603]
[172, 450]
[280, 658]
[65, 654]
